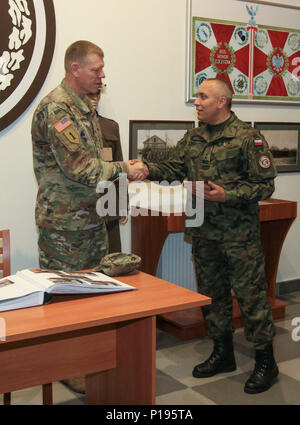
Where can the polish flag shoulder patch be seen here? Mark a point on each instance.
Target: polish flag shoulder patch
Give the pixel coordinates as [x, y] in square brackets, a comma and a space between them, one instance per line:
[258, 142]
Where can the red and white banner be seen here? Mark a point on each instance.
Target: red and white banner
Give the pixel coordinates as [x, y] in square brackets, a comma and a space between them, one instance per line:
[260, 62]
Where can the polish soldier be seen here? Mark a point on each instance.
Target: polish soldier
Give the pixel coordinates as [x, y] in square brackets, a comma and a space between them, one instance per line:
[237, 167]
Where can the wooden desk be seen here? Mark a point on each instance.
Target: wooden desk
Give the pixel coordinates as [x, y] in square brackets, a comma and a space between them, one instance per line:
[109, 338]
[148, 235]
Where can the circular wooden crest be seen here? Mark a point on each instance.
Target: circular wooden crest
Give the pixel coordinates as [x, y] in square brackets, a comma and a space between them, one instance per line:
[26, 50]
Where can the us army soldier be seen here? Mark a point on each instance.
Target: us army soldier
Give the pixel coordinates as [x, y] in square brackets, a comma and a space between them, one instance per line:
[68, 160]
[67, 157]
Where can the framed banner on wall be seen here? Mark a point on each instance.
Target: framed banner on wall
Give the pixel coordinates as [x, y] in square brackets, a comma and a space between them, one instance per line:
[291, 4]
[256, 48]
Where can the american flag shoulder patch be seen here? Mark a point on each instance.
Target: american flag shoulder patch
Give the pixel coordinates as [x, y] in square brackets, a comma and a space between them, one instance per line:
[62, 124]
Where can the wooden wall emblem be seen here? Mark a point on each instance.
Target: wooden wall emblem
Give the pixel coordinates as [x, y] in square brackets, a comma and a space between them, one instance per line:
[26, 50]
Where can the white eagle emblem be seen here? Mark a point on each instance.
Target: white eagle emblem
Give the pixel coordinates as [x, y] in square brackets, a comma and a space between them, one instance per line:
[278, 62]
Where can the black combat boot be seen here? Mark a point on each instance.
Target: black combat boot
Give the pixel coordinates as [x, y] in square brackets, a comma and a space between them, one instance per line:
[221, 359]
[265, 371]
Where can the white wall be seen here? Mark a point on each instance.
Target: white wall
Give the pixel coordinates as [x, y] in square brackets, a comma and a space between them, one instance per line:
[144, 43]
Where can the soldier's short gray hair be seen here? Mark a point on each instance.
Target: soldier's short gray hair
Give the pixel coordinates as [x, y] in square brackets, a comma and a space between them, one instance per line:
[78, 51]
[225, 90]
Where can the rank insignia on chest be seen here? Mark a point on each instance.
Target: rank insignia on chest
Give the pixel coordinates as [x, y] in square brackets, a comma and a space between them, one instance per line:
[62, 124]
[258, 142]
[106, 154]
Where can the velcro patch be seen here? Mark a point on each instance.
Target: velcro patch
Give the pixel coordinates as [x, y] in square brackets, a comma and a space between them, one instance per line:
[264, 161]
[72, 135]
[106, 154]
[62, 124]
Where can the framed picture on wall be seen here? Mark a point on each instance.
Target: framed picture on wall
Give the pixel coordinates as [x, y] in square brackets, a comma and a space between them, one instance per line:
[155, 140]
[284, 142]
[254, 47]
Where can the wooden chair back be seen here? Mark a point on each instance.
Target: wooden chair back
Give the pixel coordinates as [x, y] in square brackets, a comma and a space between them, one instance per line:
[5, 271]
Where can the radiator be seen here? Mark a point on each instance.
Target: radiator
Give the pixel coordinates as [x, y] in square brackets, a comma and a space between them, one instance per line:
[175, 263]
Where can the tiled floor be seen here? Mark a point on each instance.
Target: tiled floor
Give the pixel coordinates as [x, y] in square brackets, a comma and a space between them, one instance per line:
[176, 359]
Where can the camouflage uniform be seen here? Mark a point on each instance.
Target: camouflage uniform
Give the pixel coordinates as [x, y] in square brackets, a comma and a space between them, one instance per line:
[227, 249]
[67, 152]
[119, 263]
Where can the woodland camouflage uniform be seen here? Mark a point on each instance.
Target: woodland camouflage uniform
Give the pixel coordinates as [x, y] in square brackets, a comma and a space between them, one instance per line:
[227, 248]
[67, 149]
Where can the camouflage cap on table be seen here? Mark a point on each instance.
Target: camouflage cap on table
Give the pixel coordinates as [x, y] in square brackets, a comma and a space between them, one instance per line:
[118, 263]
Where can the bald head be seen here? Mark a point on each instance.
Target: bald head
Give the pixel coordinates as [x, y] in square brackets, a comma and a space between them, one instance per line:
[221, 88]
[213, 101]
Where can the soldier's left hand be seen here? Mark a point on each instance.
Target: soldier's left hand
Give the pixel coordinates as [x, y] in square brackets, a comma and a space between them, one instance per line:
[214, 192]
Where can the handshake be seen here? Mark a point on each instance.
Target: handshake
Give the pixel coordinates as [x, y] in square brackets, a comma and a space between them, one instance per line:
[137, 170]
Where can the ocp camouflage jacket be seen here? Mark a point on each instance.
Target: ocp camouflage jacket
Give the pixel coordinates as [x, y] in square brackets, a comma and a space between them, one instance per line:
[66, 138]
